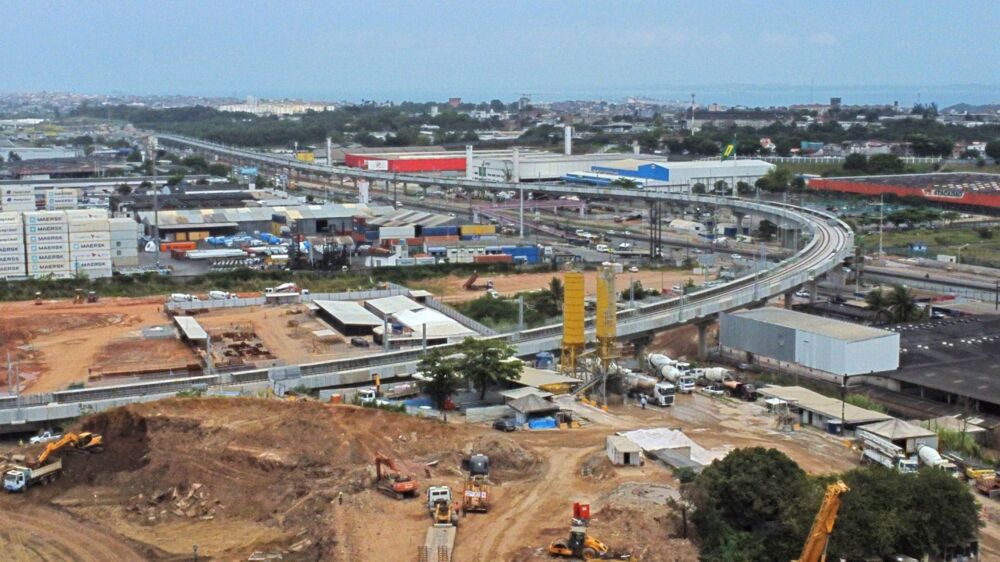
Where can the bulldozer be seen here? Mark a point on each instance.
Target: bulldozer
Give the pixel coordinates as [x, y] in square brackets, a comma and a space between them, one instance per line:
[579, 545]
[390, 481]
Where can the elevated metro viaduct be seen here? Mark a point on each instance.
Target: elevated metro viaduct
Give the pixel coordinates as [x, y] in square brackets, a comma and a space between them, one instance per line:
[827, 242]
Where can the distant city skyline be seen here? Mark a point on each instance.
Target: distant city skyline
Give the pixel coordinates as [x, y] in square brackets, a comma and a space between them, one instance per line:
[724, 52]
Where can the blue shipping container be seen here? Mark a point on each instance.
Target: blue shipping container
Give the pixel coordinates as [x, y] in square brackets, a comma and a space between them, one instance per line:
[371, 235]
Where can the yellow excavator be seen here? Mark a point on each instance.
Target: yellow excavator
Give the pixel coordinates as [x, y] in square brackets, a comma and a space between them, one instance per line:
[84, 441]
[815, 548]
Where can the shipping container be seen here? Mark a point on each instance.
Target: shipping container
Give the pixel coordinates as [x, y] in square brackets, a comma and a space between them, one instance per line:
[95, 273]
[91, 264]
[496, 258]
[49, 228]
[48, 248]
[47, 266]
[10, 218]
[12, 258]
[125, 261]
[103, 236]
[477, 229]
[371, 235]
[7, 270]
[440, 239]
[181, 236]
[47, 238]
[396, 232]
[54, 257]
[439, 231]
[45, 217]
[125, 244]
[168, 246]
[12, 239]
[11, 249]
[104, 245]
[11, 230]
[87, 214]
[414, 241]
[90, 255]
[90, 225]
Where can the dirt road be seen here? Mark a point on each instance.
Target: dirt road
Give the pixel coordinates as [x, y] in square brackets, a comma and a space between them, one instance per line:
[30, 532]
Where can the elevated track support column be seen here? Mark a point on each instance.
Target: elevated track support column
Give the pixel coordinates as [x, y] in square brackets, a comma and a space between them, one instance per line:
[655, 229]
[703, 326]
[789, 296]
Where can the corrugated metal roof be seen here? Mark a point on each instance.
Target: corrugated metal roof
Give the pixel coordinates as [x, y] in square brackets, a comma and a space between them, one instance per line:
[254, 214]
[814, 324]
[829, 407]
[536, 378]
[897, 429]
[393, 304]
[191, 328]
[350, 313]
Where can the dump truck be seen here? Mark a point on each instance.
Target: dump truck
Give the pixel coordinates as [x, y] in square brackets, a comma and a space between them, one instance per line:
[742, 390]
[476, 495]
[988, 486]
[20, 478]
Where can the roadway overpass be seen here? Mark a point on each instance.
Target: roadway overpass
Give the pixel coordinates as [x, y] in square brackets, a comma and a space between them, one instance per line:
[828, 241]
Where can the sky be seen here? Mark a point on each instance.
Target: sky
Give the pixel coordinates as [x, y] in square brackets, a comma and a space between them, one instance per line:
[553, 49]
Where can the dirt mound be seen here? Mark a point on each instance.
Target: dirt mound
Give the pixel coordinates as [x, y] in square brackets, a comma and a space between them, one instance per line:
[597, 466]
[508, 459]
[629, 528]
[270, 466]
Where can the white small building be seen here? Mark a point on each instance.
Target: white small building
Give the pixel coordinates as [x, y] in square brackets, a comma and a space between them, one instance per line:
[623, 452]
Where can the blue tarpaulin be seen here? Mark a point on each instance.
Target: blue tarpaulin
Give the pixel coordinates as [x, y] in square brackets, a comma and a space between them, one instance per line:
[548, 422]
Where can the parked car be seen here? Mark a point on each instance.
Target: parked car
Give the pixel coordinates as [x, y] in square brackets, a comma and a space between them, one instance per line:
[360, 342]
[45, 437]
[802, 294]
[633, 269]
[713, 390]
[504, 424]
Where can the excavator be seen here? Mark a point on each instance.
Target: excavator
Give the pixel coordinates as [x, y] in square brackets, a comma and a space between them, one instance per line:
[819, 536]
[84, 441]
[390, 481]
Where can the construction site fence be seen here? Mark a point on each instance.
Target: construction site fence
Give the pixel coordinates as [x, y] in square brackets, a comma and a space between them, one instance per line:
[460, 318]
[212, 304]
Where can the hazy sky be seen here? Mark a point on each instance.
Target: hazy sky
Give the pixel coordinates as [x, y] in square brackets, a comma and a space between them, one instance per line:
[393, 49]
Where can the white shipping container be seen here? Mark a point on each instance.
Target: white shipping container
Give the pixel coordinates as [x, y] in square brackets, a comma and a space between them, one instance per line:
[396, 232]
[89, 255]
[104, 245]
[46, 229]
[123, 224]
[91, 264]
[103, 236]
[94, 273]
[48, 248]
[12, 269]
[12, 239]
[133, 251]
[11, 259]
[11, 228]
[47, 267]
[86, 214]
[55, 257]
[125, 262]
[45, 217]
[10, 218]
[26, 206]
[11, 249]
[46, 238]
[89, 225]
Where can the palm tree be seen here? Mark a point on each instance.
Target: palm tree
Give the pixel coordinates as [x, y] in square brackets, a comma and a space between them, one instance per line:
[878, 303]
[557, 290]
[902, 305]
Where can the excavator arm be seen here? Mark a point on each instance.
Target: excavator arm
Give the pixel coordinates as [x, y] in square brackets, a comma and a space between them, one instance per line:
[84, 440]
[815, 548]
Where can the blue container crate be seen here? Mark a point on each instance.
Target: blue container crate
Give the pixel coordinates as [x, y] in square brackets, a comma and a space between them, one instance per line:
[371, 235]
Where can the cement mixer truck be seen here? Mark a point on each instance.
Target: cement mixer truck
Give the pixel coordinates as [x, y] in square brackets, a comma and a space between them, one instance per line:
[930, 457]
[677, 373]
[658, 392]
[713, 375]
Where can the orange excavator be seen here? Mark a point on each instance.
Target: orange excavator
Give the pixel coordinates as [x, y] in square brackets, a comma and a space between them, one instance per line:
[815, 548]
[85, 441]
[390, 481]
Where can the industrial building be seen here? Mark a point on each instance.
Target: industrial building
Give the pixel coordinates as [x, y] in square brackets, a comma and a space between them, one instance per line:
[349, 318]
[301, 219]
[820, 411]
[687, 174]
[829, 346]
[542, 166]
[957, 188]
[902, 434]
[410, 161]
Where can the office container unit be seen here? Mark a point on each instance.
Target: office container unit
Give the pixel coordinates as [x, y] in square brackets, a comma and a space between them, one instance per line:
[394, 232]
[12, 260]
[47, 247]
[124, 242]
[17, 198]
[61, 199]
[524, 254]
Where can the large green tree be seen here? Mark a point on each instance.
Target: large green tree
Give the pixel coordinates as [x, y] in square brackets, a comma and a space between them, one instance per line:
[488, 362]
[442, 380]
[755, 505]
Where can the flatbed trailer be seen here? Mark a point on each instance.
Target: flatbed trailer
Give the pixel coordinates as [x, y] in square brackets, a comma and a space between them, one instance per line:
[438, 544]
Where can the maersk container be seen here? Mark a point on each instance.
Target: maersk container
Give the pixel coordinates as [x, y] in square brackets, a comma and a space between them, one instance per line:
[89, 225]
[9, 259]
[99, 245]
[103, 236]
[11, 249]
[12, 269]
[45, 217]
[46, 228]
[87, 214]
[49, 248]
[61, 257]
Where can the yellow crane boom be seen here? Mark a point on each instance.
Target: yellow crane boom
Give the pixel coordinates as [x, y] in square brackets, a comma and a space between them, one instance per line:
[815, 548]
[85, 440]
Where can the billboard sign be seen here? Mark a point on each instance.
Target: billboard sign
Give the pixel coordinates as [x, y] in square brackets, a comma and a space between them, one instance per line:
[377, 165]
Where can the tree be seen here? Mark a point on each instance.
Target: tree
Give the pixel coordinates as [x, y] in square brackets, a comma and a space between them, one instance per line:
[557, 290]
[993, 149]
[13, 156]
[442, 381]
[755, 505]
[698, 188]
[175, 180]
[775, 180]
[124, 189]
[497, 106]
[886, 164]
[134, 156]
[856, 162]
[488, 362]
[218, 170]
[766, 229]
[950, 216]
[902, 305]
[878, 303]
[625, 183]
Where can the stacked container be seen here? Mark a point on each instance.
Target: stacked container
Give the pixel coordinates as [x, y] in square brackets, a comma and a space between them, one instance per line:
[46, 243]
[90, 242]
[17, 198]
[12, 262]
[60, 199]
[124, 242]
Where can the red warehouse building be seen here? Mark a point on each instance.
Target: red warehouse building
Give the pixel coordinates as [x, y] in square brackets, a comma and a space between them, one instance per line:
[408, 161]
[969, 189]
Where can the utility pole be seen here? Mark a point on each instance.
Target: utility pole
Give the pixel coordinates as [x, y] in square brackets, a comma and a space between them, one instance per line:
[520, 314]
[880, 218]
[156, 200]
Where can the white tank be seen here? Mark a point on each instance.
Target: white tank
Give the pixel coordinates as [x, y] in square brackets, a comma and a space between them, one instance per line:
[657, 361]
[929, 456]
[715, 374]
[671, 374]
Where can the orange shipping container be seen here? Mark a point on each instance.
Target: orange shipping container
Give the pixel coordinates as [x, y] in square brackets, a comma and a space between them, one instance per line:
[168, 246]
[440, 239]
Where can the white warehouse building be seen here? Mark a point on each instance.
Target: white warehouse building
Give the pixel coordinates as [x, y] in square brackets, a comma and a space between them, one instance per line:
[827, 345]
